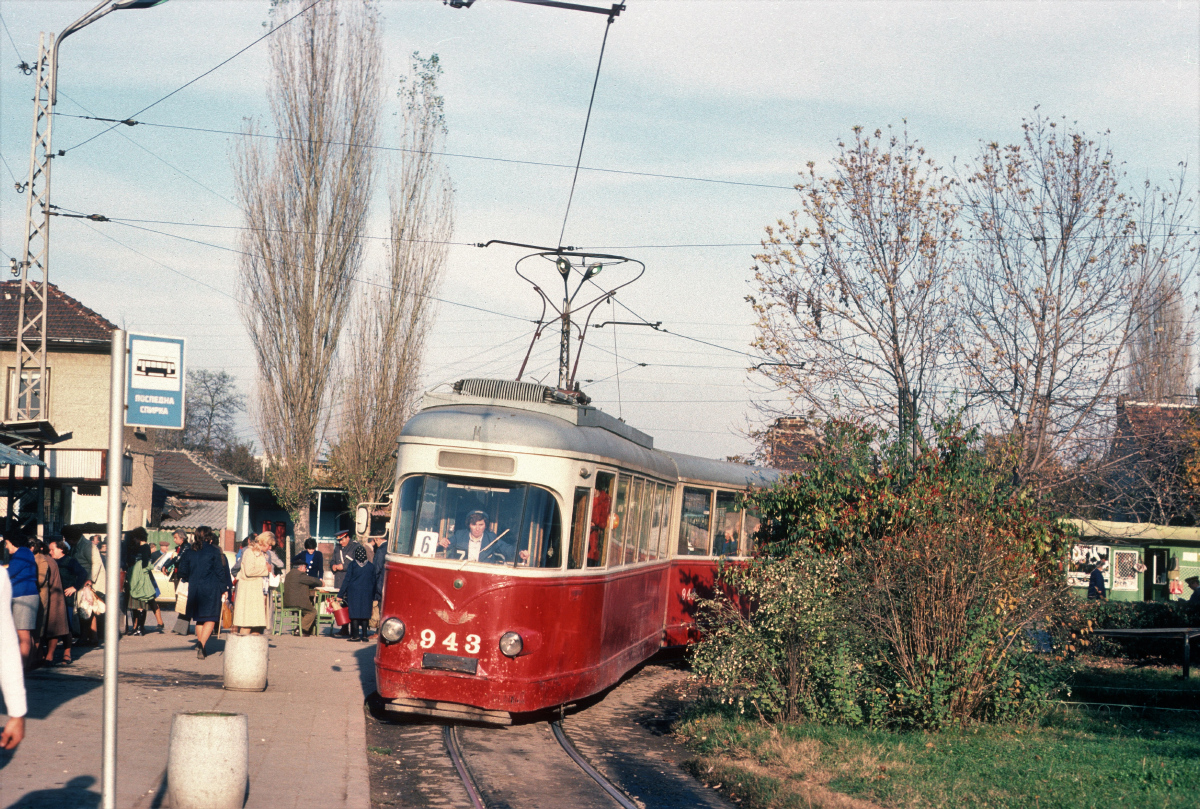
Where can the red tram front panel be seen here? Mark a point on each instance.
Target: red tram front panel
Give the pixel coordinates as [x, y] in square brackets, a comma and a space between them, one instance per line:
[580, 634]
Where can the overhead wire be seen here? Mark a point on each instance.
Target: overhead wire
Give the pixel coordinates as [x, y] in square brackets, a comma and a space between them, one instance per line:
[586, 121]
[356, 280]
[438, 153]
[493, 159]
[211, 70]
[168, 267]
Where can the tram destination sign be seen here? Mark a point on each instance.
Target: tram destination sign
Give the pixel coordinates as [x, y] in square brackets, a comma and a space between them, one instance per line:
[154, 390]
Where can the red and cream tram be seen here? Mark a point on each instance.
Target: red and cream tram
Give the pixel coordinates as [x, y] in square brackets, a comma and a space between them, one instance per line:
[540, 549]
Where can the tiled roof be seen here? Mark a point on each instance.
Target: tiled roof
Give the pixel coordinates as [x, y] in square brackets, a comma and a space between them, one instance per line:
[185, 474]
[1151, 428]
[183, 513]
[68, 319]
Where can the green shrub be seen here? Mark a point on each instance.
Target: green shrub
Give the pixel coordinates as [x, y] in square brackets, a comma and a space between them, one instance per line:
[780, 647]
[938, 566]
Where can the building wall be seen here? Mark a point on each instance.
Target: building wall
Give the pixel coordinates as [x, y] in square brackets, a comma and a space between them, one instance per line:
[78, 395]
[79, 404]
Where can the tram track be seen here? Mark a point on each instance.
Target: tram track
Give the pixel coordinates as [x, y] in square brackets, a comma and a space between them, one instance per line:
[615, 753]
[527, 767]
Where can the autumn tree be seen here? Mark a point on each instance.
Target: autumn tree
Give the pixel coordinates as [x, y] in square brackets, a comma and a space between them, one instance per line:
[1160, 348]
[381, 381]
[852, 290]
[306, 196]
[1049, 293]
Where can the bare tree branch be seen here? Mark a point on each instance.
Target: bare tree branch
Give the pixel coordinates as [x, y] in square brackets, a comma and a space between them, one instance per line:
[855, 286]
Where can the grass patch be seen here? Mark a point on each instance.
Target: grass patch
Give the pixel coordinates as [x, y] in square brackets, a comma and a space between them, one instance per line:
[1076, 757]
[379, 751]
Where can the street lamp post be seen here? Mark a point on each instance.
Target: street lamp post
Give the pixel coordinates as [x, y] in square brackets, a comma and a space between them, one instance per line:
[31, 318]
[32, 334]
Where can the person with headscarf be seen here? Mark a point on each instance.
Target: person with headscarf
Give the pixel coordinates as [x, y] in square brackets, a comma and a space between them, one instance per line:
[358, 592]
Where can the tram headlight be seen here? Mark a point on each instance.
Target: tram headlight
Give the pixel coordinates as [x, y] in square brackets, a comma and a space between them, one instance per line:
[511, 644]
[391, 630]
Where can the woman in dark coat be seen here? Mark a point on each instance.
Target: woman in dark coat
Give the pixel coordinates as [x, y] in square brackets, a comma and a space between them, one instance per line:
[56, 625]
[207, 574]
[358, 591]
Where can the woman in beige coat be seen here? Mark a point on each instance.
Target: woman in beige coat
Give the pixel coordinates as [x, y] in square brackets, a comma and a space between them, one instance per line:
[250, 611]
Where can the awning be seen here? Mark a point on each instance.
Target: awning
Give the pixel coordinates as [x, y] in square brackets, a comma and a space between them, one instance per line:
[14, 457]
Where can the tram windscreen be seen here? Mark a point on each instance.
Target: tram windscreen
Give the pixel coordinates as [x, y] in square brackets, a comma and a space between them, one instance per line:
[466, 519]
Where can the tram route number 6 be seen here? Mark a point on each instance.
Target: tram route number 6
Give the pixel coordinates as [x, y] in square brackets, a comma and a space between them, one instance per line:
[426, 545]
[450, 642]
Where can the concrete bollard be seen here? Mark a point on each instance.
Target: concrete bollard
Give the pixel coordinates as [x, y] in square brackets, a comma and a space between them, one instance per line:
[208, 761]
[246, 663]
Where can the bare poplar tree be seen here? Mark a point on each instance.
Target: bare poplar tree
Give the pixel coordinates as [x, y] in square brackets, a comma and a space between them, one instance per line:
[306, 206]
[852, 293]
[1049, 294]
[1160, 350]
[381, 383]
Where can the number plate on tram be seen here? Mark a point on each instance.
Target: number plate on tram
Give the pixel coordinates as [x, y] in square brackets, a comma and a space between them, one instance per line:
[467, 665]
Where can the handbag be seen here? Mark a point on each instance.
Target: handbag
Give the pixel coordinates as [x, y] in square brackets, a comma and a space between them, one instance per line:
[226, 616]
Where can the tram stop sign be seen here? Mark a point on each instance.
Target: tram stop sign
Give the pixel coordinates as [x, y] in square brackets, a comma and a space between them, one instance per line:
[154, 391]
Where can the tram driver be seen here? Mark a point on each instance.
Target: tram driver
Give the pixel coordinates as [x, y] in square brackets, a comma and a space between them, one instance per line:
[477, 544]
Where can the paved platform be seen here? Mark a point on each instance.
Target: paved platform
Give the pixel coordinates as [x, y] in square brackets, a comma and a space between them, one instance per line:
[307, 730]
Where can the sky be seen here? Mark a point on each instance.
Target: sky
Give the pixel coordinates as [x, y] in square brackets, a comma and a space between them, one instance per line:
[704, 114]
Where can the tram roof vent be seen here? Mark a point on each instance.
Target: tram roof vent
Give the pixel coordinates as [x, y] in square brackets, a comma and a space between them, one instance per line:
[511, 391]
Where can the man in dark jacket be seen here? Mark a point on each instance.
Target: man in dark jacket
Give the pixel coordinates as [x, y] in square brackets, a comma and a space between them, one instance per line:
[297, 595]
[1096, 590]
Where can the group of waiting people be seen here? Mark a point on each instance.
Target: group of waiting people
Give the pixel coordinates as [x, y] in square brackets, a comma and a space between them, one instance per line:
[46, 578]
[46, 598]
[357, 575]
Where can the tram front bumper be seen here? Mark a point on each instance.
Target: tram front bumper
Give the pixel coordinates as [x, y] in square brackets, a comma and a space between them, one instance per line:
[444, 710]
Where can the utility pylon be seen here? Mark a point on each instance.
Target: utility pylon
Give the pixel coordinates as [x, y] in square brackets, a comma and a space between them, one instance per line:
[35, 262]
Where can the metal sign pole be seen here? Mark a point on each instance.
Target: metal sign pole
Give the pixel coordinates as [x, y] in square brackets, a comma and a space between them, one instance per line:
[112, 620]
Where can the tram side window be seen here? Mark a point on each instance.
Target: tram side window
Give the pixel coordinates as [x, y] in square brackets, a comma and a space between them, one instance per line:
[694, 522]
[664, 539]
[633, 525]
[601, 518]
[727, 525]
[618, 524]
[753, 520]
[579, 525]
[647, 540]
[656, 524]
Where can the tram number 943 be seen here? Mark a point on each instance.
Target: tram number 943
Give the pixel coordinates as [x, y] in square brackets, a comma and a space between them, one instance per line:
[450, 642]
